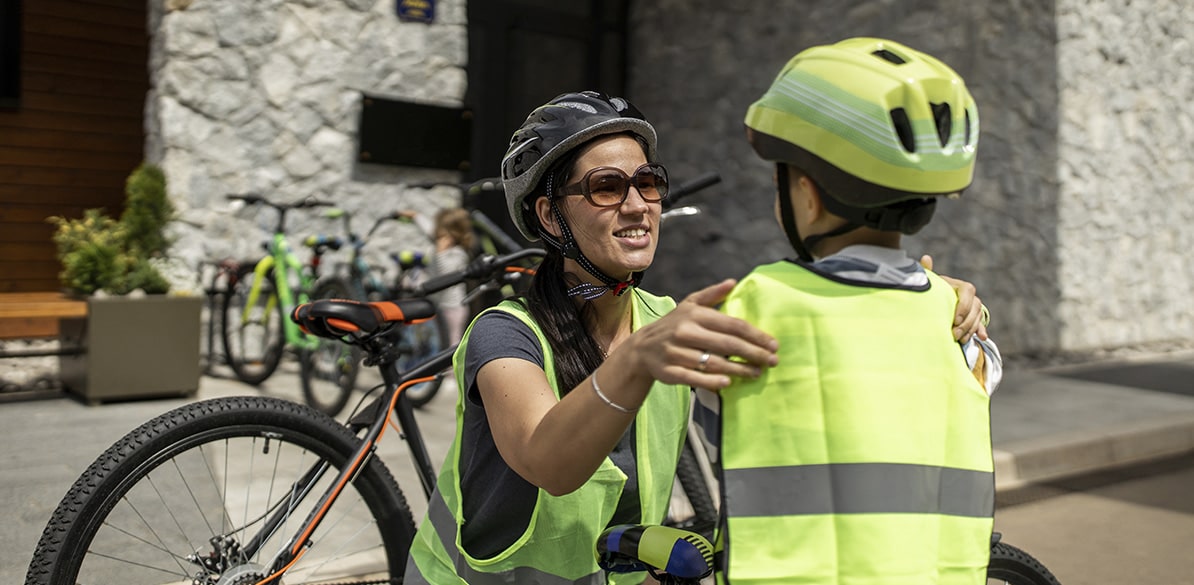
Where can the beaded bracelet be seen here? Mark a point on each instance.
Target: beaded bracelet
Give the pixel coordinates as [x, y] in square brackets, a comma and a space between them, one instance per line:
[605, 399]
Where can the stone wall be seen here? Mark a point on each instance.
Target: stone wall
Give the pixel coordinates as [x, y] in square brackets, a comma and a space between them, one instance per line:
[263, 97]
[1077, 125]
[1125, 207]
[1074, 230]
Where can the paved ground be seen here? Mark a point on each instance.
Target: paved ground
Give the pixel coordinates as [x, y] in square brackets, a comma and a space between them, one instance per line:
[1048, 424]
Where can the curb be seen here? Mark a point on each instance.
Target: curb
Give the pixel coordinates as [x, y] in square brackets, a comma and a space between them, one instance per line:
[1022, 463]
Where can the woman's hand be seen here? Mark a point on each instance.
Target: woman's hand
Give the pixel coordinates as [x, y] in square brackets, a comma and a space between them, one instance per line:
[968, 313]
[693, 345]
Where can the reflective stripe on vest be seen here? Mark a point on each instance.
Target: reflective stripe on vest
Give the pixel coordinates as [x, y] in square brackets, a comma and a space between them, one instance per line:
[558, 544]
[860, 488]
[864, 457]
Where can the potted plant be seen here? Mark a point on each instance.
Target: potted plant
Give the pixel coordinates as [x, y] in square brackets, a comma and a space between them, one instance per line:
[138, 339]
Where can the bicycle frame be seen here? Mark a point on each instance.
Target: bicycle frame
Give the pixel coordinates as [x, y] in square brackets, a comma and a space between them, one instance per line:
[371, 419]
[284, 263]
[374, 424]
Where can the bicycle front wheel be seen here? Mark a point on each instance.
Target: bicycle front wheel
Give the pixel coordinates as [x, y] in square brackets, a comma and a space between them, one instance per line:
[690, 479]
[329, 371]
[205, 494]
[421, 341]
[253, 334]
[1012, 566]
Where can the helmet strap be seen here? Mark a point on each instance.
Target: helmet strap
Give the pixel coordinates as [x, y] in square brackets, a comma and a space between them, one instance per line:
[569, 248]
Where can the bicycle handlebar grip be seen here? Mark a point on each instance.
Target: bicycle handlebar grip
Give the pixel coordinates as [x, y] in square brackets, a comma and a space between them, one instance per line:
[628, 547]
[692, 186]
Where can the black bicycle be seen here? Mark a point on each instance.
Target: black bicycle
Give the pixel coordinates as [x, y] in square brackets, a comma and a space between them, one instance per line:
[247, 489]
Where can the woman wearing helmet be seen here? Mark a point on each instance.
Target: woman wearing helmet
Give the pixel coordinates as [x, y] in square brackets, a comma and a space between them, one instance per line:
[574, 400]
[873, 411]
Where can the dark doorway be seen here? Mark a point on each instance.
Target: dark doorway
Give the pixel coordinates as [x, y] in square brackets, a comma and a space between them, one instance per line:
[525, 52]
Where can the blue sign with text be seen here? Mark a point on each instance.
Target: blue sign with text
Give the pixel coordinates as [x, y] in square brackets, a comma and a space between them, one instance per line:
[416, 11]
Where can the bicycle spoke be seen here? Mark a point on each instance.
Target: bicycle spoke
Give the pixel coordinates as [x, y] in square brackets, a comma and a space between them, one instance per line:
[142, 565]
[194, 499]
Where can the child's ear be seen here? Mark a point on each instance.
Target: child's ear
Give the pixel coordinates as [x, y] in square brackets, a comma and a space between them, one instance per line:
[810, 197]
[547, 218]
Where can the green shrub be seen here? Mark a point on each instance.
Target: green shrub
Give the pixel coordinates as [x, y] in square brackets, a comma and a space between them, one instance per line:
[100, 253]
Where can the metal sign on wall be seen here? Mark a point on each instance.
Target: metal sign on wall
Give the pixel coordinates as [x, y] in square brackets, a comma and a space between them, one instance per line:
[416, 11]
[399, 132]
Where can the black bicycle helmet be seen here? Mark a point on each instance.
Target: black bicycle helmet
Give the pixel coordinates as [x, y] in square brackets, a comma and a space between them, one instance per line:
[555, 129]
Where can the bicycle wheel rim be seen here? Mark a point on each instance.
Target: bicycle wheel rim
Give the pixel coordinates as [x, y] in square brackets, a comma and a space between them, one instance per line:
[421, 341]
[692, 507]
[253, 337]
[329, 375]
[329, 371]
[177, 510]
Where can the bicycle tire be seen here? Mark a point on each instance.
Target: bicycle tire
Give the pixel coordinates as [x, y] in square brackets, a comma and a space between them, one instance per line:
[421, 341]
[1013, 566]
[695, 487]
[90, 533]
[253, 348]
[329, 372]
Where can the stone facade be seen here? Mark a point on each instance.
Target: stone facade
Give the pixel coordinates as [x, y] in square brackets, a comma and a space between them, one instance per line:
[263, 97]
[1074, 230]
[1078, 220]
[1125, 209]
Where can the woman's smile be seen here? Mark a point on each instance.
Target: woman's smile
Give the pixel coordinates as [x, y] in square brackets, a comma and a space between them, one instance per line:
[636, 237]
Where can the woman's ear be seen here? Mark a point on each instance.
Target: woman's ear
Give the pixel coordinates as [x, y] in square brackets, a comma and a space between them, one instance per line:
[547, 217]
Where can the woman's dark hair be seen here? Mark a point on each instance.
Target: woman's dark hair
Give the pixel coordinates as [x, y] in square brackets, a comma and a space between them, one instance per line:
[576, 354]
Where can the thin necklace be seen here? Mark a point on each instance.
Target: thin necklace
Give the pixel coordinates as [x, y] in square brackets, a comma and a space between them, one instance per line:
[604, 351]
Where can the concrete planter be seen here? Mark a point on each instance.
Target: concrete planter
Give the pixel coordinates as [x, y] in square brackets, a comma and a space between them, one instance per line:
[133, 348]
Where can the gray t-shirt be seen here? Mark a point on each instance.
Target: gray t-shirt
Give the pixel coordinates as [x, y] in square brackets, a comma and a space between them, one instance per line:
[497, 501]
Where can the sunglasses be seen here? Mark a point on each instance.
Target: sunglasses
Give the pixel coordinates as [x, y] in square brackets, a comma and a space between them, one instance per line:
[608, 186]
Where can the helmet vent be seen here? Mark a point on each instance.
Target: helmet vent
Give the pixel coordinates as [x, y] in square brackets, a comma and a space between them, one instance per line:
[903, 129]
[889, 56]
[943, 119]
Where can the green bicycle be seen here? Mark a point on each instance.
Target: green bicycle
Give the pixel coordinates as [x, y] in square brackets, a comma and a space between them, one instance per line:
[254, 329]
[360, 281]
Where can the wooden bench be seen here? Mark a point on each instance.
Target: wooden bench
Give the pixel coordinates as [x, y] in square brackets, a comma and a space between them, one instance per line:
[36, 315]
[33, 315]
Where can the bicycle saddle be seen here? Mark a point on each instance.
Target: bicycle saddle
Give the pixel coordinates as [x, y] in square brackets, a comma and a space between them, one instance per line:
[336, 318]
[627, 548]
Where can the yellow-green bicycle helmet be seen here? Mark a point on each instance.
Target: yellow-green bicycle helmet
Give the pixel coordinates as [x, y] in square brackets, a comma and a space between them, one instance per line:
[874, 123]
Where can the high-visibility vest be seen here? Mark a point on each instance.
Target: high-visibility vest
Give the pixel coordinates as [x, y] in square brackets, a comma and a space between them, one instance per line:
[557, 547]
[864, 457]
